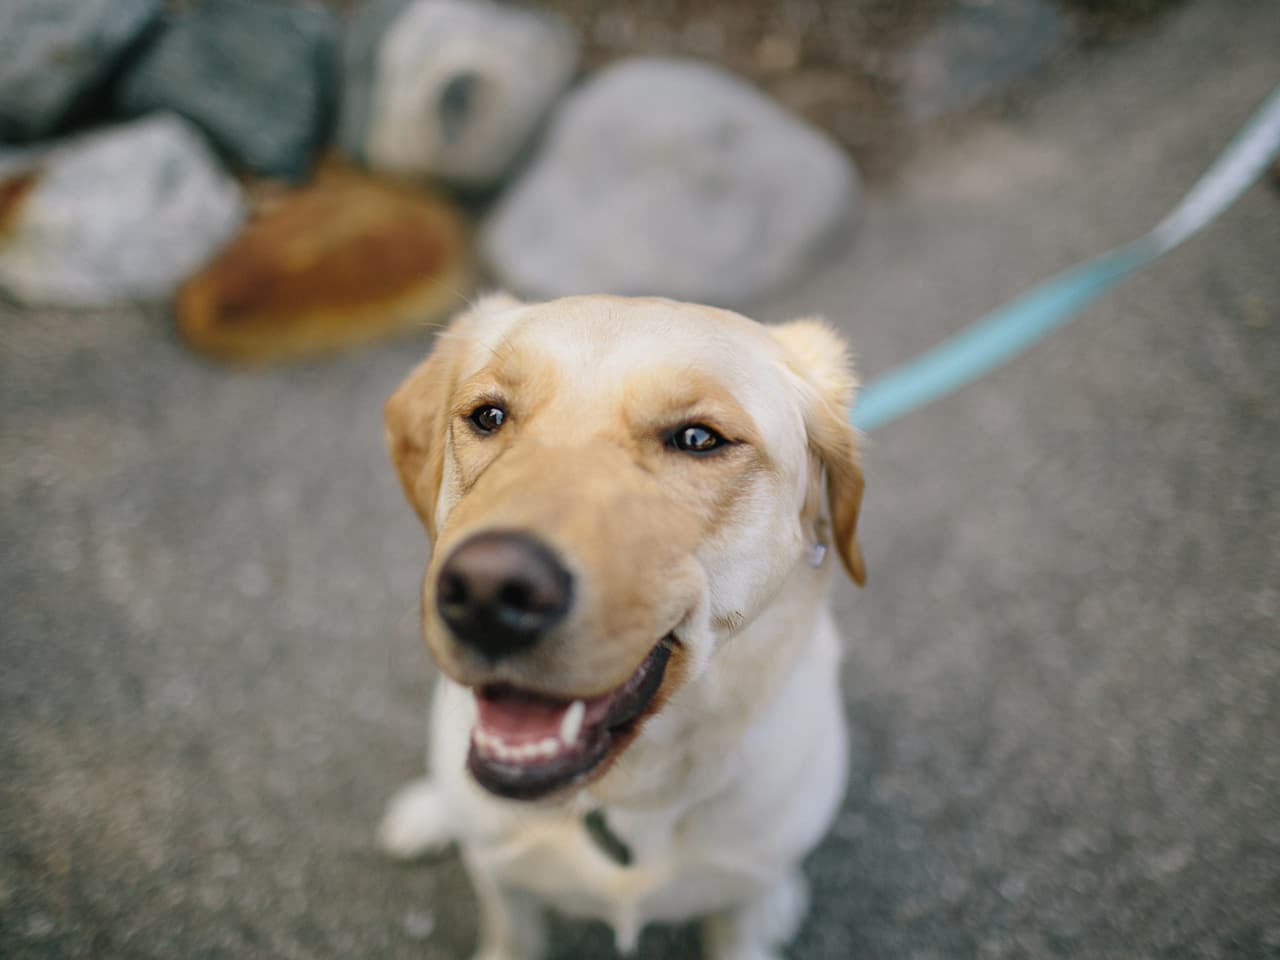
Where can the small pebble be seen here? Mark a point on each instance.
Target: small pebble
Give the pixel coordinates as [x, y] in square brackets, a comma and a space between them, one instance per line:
[419, 924]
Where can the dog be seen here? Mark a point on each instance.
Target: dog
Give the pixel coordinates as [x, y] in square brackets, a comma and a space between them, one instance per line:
[630, 502]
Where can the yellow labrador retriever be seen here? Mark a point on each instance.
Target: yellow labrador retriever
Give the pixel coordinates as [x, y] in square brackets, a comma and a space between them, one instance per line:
[639, 717]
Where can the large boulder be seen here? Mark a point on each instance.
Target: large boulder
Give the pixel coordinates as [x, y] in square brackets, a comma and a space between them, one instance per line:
[670, 177]
[345, 259]
[116, 216]
[452, 89]
[260, 78]
[56, 54]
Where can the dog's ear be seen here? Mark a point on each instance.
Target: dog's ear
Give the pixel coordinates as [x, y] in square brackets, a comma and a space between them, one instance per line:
[416, 415]
[819, 358]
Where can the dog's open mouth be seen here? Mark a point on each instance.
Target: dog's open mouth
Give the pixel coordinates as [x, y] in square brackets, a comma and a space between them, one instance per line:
[527, 745]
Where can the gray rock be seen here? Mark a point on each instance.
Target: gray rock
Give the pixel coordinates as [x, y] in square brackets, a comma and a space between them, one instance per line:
[54, 53]
[459, 87]
[975, 51]
[670, 177]
[121, 215]
[362, 40]
[259, 78]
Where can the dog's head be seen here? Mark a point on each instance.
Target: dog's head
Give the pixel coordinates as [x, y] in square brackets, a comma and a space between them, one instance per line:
[612, 487]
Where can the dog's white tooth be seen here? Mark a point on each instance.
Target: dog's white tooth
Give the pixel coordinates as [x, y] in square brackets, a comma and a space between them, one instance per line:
[548, 747]
[571, 725]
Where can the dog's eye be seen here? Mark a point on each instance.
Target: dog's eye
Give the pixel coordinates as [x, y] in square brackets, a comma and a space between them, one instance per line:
[696, 438]
[488, 417]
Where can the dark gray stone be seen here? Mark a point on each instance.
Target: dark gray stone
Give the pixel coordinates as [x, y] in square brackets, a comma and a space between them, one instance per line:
[670, 177]
[260, 78]
[55, 53]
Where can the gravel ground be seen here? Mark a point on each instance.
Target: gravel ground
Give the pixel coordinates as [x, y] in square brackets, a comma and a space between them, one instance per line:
[1064, 677]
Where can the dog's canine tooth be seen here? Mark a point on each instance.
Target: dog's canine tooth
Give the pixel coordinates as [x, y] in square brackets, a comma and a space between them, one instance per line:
[571, 725]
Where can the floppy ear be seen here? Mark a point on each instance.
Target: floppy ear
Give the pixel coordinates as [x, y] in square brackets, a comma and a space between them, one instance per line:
[818, 356]
[417, 429]
[417, 415]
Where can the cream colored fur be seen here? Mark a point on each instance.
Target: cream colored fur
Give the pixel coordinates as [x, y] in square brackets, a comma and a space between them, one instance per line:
[739, 774]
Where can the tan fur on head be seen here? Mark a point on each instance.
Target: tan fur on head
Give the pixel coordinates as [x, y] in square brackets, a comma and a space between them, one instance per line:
[592, 388]
[416, 415]
[819, 357]
[415, 428]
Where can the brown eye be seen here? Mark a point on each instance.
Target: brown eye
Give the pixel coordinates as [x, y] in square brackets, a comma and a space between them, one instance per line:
[696, 438]
[487, 417]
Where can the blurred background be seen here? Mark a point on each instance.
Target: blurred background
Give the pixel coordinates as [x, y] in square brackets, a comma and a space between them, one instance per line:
[228, 228]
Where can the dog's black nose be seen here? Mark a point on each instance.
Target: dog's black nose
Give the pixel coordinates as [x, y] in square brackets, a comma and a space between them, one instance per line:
[500, 591]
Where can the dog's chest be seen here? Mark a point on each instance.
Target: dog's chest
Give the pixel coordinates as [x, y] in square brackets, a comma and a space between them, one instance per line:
[672, 876]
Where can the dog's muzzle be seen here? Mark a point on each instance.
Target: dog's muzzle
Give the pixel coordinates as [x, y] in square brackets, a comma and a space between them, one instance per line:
[500, 593]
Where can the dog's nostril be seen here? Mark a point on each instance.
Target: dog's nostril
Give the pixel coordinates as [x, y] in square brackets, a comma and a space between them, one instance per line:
[452, 590]
[518, 596]
[514, 596]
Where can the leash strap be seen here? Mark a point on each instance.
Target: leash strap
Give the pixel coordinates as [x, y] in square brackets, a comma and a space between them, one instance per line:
[1021, 323]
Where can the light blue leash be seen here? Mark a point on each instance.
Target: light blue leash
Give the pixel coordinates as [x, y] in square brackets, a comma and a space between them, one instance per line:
[1012, 328]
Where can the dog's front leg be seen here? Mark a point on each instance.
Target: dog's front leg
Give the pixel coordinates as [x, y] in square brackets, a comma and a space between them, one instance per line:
[512, 925]
[759, 928]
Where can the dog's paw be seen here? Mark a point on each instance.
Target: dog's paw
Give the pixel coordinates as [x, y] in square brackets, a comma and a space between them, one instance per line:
[418, 822]
[759, 928]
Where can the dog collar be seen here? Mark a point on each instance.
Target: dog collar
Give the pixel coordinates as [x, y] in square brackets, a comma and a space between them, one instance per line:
[608, 842]
[817, 553]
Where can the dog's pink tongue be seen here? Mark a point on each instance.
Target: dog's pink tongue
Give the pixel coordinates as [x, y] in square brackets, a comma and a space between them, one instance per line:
[516, 717]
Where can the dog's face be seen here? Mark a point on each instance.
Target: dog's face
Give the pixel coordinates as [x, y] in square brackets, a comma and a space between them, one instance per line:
[612, 487]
